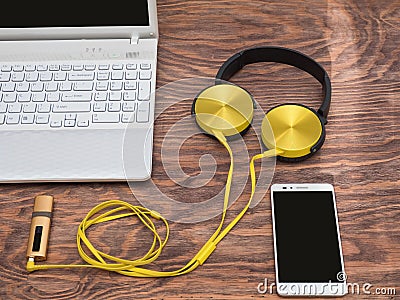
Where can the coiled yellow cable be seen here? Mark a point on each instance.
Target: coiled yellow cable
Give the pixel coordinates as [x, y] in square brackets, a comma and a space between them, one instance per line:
[116, 209]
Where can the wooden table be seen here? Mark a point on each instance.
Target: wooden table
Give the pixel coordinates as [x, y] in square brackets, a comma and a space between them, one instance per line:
[358, 43]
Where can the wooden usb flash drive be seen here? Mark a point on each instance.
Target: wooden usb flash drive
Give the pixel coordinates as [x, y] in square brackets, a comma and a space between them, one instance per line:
[40, 228]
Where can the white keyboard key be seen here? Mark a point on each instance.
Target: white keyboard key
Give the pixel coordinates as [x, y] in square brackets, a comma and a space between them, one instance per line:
[65, 86]
[116, 85]
[69, 123]
[104, 67]
[129, 96]
[46, 76]
[130, 85]
[5, 77]
[117, 66]
[9, 97]
[29, 108]
[115, 96]
[27, 118]
[41, 68]
[8, 87]
[71, 107]
[103, 75]
[33, 76]
[100, 96]
[114, 106]
[76, 97]
[13, 119]
[6, 68]
[145, 75]
[17, 77]
[37, 86]
[60, 76]
[70, 116]
[144, 90]
[83, 86]
[102, 86]
[42, 118]
[18, 68]
[105, 118]
[117, 75]
[53, 97]
[38, 97]
[130, 75]
[30, 68]
[3, 107]
[128, 118]
[14, 108]
[54, 67]
[78, 67]
[51, 86]
[143, 112]
[90, 67]
[99, 106]
[145, 66]
[24, 97]
[131, 66]
[66, 67]
[128, 106]
[2, 119]
[81, 76]
[44, 107]
[83, 123]
[22, 86]
[55, 123]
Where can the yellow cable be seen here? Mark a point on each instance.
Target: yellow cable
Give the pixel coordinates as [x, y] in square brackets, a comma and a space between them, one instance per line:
[116, 209]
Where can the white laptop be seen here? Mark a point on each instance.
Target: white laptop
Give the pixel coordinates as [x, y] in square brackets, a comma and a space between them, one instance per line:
[73, 76]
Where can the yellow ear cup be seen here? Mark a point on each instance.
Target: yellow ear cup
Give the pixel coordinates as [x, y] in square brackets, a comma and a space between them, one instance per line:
[224, 108]
[292, 128]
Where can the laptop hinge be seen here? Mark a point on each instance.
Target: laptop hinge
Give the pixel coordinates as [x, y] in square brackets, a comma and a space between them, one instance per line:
[134, 40]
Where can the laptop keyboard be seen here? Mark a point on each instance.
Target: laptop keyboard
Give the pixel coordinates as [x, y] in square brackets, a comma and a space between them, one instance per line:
[65, 95]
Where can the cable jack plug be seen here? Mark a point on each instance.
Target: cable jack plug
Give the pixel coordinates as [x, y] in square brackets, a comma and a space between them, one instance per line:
[30, 265]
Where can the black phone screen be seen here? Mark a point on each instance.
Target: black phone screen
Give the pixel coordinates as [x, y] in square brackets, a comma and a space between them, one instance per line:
[306, 236]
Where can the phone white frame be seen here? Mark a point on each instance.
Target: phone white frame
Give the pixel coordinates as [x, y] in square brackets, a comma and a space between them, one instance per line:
[307, 288]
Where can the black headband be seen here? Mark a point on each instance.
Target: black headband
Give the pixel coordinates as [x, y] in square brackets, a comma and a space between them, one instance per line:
[283, 56]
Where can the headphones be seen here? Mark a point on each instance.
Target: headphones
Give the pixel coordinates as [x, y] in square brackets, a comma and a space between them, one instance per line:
[295, 131]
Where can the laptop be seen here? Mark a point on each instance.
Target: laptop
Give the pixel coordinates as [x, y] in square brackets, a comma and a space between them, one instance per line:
[77, 78]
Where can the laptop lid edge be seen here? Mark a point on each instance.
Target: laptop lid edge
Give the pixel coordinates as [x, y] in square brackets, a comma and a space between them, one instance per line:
[100, 32]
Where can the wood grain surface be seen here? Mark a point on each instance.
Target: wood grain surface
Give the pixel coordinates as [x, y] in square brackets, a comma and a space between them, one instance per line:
[357, 41]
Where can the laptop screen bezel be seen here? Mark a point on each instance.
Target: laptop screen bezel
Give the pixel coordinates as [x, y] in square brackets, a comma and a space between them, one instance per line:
[94, 32]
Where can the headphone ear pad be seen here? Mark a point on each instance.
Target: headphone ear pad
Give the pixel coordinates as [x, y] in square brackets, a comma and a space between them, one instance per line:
[224, 108]
[297, 130]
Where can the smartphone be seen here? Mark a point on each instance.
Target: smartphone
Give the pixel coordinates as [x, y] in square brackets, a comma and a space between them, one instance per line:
[308, 251]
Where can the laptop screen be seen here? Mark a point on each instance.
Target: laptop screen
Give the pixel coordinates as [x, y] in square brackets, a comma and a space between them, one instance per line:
[74, 13]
